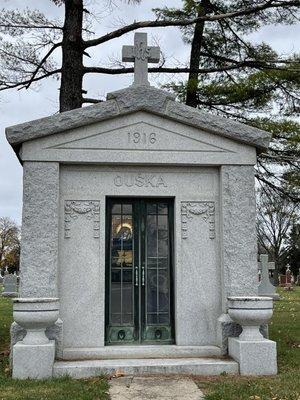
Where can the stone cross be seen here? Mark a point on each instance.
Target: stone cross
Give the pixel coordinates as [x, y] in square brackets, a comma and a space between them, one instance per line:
[141, 55]
[265, 287]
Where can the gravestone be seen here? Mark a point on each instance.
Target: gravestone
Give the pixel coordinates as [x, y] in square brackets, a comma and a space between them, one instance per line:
[288, 279]
[139, 213]
[265, 287]
[10, 286]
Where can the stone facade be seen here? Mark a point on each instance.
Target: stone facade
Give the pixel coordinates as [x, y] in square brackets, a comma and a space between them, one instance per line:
[140, 143]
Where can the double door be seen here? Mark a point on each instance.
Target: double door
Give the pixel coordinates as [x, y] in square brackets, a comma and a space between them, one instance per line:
[139, 271]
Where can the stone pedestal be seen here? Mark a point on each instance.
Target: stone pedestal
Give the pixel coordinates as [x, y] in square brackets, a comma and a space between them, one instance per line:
[33, 357]
[33, 361]
[254, 357]
[255, 354]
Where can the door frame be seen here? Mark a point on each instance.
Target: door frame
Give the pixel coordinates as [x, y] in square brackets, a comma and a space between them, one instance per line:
[139, 243]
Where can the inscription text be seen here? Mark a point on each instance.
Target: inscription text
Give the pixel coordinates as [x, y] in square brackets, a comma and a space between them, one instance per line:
[142, 138]
[140, 180]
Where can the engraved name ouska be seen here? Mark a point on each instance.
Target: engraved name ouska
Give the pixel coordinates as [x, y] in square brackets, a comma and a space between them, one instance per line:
[140, 180]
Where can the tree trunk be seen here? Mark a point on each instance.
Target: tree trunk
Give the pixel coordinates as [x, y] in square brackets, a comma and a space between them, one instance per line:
[72, 57]
[191, 95]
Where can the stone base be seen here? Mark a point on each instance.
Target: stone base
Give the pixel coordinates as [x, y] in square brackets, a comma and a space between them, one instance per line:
[33, 361]
[228, 328]
[275, 296]
[10, 294]
[165, 366]
[254, 357]
[54, 332]
[145, 351]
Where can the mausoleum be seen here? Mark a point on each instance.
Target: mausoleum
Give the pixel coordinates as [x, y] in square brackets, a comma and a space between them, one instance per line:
[138, 239]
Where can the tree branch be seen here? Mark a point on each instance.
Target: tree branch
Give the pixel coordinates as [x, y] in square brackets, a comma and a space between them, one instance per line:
[169, 70]
[31, 26]
[186, 22]
[277, 189]
[23, 84]
[55, 46]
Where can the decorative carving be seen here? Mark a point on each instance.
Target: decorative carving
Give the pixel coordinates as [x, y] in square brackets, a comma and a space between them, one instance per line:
[90, 209]
[204, 208]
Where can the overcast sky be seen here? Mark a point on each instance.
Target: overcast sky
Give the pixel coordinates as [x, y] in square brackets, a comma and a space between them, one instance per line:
[20, 106]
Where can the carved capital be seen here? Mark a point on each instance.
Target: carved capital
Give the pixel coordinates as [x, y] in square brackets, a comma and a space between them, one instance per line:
[90, 209]
[206, 209]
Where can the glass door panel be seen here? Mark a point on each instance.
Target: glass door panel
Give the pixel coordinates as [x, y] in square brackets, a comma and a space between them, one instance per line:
[157, 256]
[139, 273]
[121, 286]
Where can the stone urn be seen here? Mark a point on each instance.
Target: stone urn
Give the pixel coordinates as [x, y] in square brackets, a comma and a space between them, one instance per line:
[250, 312]
[35, 315]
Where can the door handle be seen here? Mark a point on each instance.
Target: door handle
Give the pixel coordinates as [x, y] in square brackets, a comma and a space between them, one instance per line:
[136, 276]
[143, 276]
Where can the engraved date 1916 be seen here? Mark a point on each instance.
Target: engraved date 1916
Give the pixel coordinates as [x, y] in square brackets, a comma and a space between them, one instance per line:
[142, 138]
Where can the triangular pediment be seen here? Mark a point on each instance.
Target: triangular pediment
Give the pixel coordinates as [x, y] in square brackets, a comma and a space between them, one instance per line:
[134, 100]
[142, 136]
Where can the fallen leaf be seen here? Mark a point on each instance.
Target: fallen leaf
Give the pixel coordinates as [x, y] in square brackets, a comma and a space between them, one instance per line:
[119, 373]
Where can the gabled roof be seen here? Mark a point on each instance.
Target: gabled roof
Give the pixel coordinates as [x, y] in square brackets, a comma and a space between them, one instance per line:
[132, 99]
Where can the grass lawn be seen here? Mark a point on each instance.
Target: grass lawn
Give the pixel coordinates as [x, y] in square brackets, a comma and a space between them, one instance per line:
[284, 328]
[52, 389]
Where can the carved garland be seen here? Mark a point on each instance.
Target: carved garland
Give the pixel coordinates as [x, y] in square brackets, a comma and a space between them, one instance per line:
[204, 208]
[90, 209]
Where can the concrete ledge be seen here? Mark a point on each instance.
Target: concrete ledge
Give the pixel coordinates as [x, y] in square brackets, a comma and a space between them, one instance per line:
[182, 366]
[127, 352]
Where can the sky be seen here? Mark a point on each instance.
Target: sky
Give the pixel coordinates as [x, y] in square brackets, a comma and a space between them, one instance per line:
[26, 105]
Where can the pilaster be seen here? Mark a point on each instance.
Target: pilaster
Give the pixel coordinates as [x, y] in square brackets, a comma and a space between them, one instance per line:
[39, 253]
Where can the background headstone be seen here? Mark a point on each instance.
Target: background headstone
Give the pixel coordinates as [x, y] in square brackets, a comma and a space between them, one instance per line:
[10, 286]
[288, 280]
[265, 287]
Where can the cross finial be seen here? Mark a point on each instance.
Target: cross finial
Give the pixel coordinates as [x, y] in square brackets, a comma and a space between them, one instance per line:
[141, 55]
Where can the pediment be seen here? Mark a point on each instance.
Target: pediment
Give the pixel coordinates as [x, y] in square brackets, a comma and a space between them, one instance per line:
[196, 132]
[143, 137]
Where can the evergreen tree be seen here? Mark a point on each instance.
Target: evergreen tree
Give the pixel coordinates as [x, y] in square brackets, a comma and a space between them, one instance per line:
[251, 82]
[294, 249]
[228, 74]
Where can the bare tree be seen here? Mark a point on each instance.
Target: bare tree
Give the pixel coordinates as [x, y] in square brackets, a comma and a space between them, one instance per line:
[27, 61]
[9, 244]
[228, 75]
[275, 218]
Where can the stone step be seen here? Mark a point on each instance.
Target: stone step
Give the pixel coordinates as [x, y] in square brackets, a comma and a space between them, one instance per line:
[150, 366]
[145, 351]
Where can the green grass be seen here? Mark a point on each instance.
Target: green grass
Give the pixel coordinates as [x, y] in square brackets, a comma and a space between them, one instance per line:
[5, 322]
[285, 330]
[52, 389]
